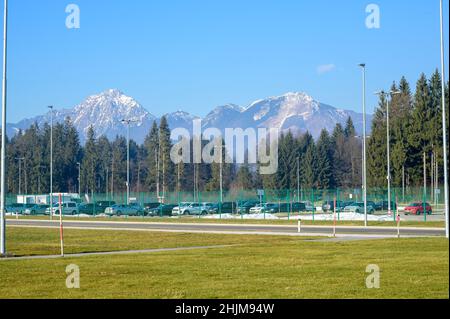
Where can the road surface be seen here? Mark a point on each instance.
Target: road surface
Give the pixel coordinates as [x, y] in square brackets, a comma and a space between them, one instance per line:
[288, 230]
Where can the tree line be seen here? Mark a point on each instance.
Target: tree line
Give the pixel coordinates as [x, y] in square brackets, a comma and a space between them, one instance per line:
[333, 161]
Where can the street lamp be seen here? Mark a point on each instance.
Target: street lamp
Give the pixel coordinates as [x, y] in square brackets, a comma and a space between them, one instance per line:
[79, 178]
[128, 122]
[444, 125]
[51, 161]
[388, 139]
[221, 171]
[3, 150]
[363, 68]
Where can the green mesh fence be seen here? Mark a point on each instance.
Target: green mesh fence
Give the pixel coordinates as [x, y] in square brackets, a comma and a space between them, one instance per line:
[287, 203]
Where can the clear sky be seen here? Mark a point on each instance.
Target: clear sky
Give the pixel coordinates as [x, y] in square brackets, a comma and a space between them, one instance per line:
[197, 54]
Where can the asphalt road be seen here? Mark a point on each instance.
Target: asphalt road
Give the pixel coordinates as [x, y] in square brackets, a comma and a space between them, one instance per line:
[233, 228]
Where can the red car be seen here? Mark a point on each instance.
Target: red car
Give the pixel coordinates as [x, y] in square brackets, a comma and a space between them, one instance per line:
[418, 209]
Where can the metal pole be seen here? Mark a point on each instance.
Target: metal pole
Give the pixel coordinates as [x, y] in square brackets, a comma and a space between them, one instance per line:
[388, 158]
[128, 163]
[51, 162]
[444, 125]
[403, 183]
[363, 67]
[79, 179]
[298, 179]
[221, 174]
[3, 150]
[424, 186]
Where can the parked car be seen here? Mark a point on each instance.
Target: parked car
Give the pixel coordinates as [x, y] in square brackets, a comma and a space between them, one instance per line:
[223, 208]
[36, 209]
[15, 208]
[328, 206]
[245, 207]
[149, 206]
[90, 209]
[191, 209]
[418, 209]
[358, 208]
[68, 208]
[375, 206]
[264, 208]
[309, 207]
[384, 205]
[298, 207]
[124, 210]
[102, 205]
[178, 209]
[161, 210]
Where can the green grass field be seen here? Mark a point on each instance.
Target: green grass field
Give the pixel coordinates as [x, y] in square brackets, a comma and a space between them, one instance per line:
[259, 267]
[433, 224]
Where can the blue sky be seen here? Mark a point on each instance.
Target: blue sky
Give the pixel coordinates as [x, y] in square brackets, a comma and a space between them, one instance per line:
[197, 54]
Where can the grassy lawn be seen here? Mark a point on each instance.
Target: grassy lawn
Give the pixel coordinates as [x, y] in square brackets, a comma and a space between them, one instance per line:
[434, 224]
[261, 267]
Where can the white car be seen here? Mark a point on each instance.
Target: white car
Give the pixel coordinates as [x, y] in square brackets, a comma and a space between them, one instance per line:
[69, 208]
[264, 208]
[191, 209]
[359, 208]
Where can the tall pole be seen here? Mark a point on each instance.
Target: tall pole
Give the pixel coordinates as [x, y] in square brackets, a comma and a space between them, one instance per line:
[403, 183]
[363, 67]
[444, 125]
[298, 179]
[128, 122]
[51, 161]
[388, 144]
[128, 162]
[221, 171]
[388, 139]
[3, 150]
[221, 174]
[79, 179]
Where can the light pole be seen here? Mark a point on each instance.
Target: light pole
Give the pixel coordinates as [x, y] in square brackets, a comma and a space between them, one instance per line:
[363, 68]
[79, 178]
[51, 161]
[128, 122]
[298, 179]
[221, 171]
[444, 125]
[388, 143]
[3, 150]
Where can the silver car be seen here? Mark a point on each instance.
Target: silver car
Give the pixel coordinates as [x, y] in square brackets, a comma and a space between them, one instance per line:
[191, 209]
[125, 210]
[36, 209]
[69, 208]
[359, 208]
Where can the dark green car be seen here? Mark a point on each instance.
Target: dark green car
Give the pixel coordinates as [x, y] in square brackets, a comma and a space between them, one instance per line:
[161, 210]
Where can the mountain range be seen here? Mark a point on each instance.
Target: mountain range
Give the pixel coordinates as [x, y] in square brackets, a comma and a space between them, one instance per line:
[297, 112]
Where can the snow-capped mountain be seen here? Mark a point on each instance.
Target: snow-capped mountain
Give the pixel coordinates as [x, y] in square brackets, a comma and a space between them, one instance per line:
[104, 111]
[297, 112]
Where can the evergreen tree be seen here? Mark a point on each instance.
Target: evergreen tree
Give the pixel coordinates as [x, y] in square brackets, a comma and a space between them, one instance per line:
[324, 160]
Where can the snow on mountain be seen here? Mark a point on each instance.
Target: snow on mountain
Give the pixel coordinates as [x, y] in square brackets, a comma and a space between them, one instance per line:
[297, 112]
[181, 119]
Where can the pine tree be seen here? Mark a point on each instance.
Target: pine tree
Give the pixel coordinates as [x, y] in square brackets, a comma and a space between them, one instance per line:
[90, 164]
[324, 160]
[419, 135]
[151, 145]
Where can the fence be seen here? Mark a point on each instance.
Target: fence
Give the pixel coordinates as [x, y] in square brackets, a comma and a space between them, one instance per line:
[312, 197]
